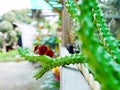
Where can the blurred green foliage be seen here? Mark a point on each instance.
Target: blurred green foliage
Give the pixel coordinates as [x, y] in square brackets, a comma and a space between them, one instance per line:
[50, 40]
[5, 26]
[50, 83]
[17, 15]
[10, 33]
[10, 56]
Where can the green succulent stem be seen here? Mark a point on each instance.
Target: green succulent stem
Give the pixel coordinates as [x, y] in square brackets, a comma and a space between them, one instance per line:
[110, 43]
[61, 61]
[49, 63]
[101, 61]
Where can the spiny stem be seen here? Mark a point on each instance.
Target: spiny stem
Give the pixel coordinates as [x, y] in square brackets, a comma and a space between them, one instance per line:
[107, 38]
[29, 55]
[72, 59]
[98, 57]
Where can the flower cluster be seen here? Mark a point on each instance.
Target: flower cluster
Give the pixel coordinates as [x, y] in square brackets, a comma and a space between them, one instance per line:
[43, 50]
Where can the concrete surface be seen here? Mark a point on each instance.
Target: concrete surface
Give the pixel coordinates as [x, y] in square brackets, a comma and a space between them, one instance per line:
[19, 76]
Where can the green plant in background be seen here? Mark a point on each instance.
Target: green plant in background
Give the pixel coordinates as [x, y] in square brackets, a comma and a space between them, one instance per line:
[1, 39]
[9, 35]
[50, 41]
[22, 15]
[50, 83]
[9, 16]
[5, 26]
[100, 50]
[10, 56]
[17, 15]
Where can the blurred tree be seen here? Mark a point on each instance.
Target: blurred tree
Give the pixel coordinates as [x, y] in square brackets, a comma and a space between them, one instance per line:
[9, 33]
[10, 16]
[17, 15]
[8, 36]
[22, 15]
[111, 10]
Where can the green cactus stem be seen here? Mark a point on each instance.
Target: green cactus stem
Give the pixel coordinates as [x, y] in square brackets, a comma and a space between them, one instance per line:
[110, 43]
[100, 60]
[49, 63]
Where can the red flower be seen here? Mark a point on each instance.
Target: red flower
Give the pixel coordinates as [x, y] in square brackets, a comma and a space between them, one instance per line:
[50, 53]
[42, 49]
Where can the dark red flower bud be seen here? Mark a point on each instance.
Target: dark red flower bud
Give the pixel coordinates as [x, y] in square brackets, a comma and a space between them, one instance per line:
[35, 49]
[42, 49]
[50, 53]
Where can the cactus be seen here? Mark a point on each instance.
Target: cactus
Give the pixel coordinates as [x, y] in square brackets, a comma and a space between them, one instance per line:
[100, 51]
[49, 63]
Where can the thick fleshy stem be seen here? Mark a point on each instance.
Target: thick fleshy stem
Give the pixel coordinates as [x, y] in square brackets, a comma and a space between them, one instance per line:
[72, 59]
[99, 59]
[29, 55]
[110, 43]
[49, 63]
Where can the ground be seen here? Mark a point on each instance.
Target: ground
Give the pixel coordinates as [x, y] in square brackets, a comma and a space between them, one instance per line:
[19, 76]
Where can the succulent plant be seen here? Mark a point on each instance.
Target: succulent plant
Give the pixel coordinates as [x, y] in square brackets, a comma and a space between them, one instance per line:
[101, 52]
